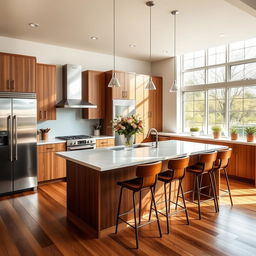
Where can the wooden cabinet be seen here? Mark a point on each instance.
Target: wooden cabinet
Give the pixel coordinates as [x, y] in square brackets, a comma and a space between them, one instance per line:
[102, 143]
[49, 165]
[93, 91]
[18, 73]
[46, 91]
[126, 91]
[148, 104]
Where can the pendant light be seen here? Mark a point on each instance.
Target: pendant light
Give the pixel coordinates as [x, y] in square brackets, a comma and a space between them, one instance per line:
[114, 80]
[150, 85]
[174, 87]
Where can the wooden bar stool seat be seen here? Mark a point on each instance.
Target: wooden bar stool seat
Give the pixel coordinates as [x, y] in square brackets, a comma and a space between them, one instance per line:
[146, 179]
[176, 172]
[203, 167]
[221, 164]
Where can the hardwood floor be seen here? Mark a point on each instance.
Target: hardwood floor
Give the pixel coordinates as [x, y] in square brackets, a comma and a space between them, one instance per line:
[35, 224]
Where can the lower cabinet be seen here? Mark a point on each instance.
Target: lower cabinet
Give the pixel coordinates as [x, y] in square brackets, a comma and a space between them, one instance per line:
[102, 143]
[49, 165]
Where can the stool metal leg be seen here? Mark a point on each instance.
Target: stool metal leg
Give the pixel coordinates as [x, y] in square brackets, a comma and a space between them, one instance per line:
[166, 209]
[228, 185]
[198, 196]
[194, 188]
[170, 191]
[150, 210]
[213, 191]
[215, 187]
[118, 210]
[140, 207]
[154, 201]
[184, 202]
[135, 221]
[177, 198]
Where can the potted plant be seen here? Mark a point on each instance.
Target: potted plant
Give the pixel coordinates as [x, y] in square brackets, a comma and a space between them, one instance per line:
[194, 131]
[234, 133]
[128, 127]
[250, 133]
[216, 130]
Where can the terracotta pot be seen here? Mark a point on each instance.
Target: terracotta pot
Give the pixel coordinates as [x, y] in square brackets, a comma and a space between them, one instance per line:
[234, 136]
[44, 135]
[216, 135]
[250, 137]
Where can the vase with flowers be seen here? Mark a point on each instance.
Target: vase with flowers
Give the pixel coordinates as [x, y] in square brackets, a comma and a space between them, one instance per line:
[128, 127]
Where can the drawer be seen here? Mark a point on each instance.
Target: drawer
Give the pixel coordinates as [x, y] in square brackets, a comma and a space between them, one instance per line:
[57, 147]
[101, 143]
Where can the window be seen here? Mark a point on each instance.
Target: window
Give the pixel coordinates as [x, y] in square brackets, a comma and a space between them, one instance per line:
[194, 110]
[219, 87]
[242, 50]
[242, 107]
[216, 108]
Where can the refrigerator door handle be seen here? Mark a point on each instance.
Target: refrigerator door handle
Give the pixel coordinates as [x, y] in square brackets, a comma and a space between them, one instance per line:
[9, 120]
[16, 136]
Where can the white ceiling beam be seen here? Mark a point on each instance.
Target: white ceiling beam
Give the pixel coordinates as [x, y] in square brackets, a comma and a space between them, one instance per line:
[248, 6]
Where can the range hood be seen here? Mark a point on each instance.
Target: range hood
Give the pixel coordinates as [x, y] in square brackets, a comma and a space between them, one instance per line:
[72, 88]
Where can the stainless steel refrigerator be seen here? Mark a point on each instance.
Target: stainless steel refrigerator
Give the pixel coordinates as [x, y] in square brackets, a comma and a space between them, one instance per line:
[18, 158]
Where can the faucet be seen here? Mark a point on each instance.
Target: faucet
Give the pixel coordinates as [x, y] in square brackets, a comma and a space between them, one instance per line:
[156, 132]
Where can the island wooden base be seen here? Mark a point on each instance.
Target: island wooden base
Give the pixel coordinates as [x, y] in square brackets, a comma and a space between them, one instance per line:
[92, 196]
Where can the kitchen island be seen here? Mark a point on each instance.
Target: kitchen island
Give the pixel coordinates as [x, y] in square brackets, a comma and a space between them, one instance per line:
[92, 192]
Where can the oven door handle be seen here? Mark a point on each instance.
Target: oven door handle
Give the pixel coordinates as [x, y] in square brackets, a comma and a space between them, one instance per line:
[81, 147]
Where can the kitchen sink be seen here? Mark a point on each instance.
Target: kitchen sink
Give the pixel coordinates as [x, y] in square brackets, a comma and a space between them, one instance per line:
[118, 148]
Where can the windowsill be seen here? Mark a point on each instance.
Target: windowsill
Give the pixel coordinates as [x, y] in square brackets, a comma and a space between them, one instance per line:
[209, 138]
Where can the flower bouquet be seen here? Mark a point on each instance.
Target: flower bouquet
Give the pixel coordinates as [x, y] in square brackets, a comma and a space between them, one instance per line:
[128, 127]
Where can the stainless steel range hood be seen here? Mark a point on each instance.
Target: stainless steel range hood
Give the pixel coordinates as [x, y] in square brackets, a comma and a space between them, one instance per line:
[72, 88]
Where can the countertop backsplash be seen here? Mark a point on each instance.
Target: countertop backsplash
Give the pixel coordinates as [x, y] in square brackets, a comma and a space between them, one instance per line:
[69, 122]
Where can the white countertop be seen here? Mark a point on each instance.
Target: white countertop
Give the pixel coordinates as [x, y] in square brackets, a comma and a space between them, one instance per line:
[103, 137]
[223, 139]
[50, 141]
[108, 159]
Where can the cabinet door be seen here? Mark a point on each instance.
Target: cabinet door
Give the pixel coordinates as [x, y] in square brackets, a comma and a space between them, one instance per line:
[40, 91]
[59, 170]
[155, 105]
[120, 93]
[5, 78]
[94, 92]
[44, 166]
[50, 92]
[23, 73]
[130, 86]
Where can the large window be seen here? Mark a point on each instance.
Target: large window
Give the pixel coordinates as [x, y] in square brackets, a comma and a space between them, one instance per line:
[219, 87]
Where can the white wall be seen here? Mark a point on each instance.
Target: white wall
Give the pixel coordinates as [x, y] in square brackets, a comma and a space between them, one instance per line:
[171, 101]
[68, 121]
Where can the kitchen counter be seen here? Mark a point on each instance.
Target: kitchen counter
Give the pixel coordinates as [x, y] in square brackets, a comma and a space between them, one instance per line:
[103, 137]
[50, 141]
[200, 137]
[116, 157]
[92, 176]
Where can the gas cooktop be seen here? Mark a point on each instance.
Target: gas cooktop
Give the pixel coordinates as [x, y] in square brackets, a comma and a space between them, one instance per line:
[74, 137]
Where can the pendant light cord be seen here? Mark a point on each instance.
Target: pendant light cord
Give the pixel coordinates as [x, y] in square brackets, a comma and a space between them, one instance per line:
[114, 35]
[174, 46]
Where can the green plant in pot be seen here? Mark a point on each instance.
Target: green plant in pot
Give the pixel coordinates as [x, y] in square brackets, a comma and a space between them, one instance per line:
[216, 131]
[250, 133]
[234, 133]
[194, 131]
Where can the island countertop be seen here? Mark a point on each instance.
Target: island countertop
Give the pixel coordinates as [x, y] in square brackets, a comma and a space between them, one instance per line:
[115, 157]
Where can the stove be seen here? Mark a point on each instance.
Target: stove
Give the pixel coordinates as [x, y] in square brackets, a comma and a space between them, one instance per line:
[79, 142]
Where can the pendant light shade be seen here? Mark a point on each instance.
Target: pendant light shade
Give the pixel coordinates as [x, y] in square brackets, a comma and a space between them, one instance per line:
[114, 81]
[150, 84]
[174, 87]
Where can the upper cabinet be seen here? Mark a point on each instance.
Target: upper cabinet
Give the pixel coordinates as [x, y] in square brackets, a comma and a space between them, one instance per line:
[46, 91]
[17, 73]
[126, 91]
[149, 104]
[93, 91]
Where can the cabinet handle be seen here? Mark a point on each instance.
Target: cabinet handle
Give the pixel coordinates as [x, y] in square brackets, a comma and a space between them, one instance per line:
[126, 94]
[103, 142]
[45, 114]
[12, 84]
[8, 84]
[40, 115]
[50, 148]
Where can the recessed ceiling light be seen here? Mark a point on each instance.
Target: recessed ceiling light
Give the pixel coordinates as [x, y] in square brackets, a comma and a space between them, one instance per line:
[222, 35]
[33, 25]
[94, 38]
[132, 45]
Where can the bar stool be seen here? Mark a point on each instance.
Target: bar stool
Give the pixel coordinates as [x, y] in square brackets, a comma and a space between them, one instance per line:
[176, 172]
[146, 179]
[221, 164]
[203, 167]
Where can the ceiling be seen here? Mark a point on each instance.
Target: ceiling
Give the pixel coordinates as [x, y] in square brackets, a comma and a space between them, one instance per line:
[201, 24]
